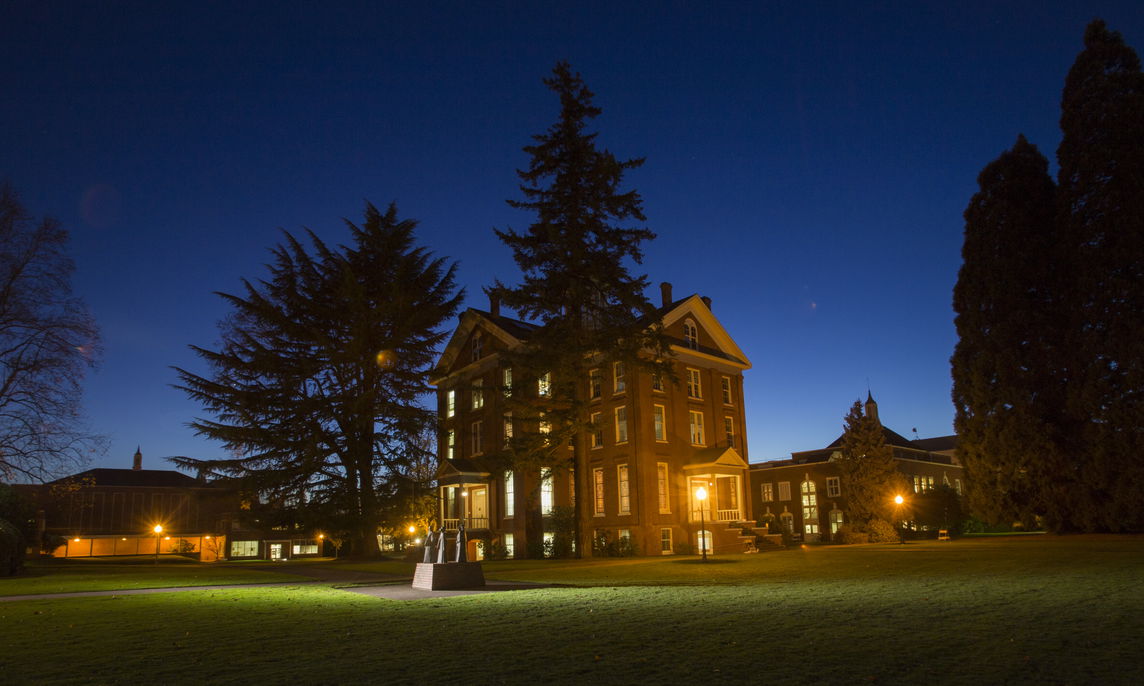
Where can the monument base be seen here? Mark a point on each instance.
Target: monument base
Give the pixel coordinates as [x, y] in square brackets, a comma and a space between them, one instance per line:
[436, 576]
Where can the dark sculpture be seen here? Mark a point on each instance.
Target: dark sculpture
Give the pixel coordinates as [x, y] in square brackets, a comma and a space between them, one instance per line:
[442, 543]
[430, 542]
[461, 553]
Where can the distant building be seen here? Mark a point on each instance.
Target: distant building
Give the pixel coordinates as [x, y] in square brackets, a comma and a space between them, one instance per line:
[804, 493]
[106, 511]
[656, 444]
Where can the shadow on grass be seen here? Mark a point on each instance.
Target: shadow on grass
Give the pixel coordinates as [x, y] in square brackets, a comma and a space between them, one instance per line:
[708, 561]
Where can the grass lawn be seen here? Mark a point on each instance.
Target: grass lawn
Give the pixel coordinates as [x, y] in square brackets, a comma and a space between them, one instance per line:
[113, 574]
[1030, 610]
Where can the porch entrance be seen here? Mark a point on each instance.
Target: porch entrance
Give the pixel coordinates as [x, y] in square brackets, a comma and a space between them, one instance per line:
[276, 551]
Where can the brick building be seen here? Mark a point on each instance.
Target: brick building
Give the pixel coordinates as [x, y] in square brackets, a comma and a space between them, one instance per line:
[656, 443]
[805, 495]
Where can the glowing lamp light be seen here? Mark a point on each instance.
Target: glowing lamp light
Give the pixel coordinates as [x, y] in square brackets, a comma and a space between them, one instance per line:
[417, 541]
[321, 536]
[412, 528]
[701, 494]
[166, 538]
[158, 529]
[75, 540]
[208, 538]
[898, 500]
[464, 494]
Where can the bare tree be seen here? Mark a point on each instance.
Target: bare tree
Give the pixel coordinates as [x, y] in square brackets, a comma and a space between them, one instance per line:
[47, 341]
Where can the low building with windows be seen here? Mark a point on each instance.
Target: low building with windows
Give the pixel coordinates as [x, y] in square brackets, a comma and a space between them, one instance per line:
[654, 445]
[137, 511]
[804, 494]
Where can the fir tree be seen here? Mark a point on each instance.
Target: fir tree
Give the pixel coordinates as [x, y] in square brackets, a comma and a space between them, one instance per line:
[576, 283]
[867, 473]
[1101, 208]
[1007, 384]
[318, 386]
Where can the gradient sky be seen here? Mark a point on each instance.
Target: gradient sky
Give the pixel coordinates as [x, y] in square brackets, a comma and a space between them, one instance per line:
[807, 166]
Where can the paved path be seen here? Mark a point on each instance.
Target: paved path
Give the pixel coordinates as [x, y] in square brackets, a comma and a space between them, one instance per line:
[388, 586]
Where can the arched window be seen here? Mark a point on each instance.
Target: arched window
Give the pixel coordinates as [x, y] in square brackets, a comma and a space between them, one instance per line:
[478, 345]
[703, 540]
[809, 507]
[691, 334]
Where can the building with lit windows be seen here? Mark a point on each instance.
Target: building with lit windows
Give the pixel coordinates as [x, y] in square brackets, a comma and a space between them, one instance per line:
[804, 494]
[654, 446]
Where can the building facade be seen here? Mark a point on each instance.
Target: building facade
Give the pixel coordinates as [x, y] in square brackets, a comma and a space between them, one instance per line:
[804, 494]
[654, 445]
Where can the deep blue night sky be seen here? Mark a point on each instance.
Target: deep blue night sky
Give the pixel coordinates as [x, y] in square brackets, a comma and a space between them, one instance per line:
[807, 166]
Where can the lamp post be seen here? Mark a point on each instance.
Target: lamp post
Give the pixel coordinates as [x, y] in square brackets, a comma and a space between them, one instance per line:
[898, 499]
[701, 496]
[158, 532]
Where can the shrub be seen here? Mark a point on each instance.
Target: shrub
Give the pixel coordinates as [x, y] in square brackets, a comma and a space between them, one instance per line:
[882, 531]
[11, 549]
[493, 549]
[684, 548]
[846, 535]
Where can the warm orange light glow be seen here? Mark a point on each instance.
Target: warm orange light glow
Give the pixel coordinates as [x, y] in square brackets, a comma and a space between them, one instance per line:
[412, 528]
[123, 539]
[208, 538]
[166, 538]
[158, 529]
[898, 499]
[701, 494]
[321, 535]
[75, 541]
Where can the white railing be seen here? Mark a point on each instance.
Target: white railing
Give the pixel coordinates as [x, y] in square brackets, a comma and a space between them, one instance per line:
[728, 515]
[470, 523]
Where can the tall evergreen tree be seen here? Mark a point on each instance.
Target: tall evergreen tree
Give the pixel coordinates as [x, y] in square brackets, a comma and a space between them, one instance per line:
[318, 386]
[867, 473]
[576, 282]
[1007, 385]
[1101, 182]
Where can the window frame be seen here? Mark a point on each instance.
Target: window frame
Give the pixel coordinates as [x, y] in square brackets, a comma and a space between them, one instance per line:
[663, 487]
[696, 428]
[599, 503]
[621, 410]
[728, 396]
[694, 384]
[833, 487]
[623, 490]
[619, 380]
[659, 423]
[477, 438]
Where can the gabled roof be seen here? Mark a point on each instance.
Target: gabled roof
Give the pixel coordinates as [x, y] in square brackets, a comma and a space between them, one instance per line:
[891, 437]
[153, 478]
[716, 459]
[936, 444]
[510, 331]
[726, 349]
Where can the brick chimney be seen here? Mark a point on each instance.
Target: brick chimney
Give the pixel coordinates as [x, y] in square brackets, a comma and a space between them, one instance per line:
[706, 301]
[494, 303]
[665, 293]
[137, 465]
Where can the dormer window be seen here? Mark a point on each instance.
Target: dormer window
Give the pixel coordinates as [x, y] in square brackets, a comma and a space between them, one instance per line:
[691, 334]
[478, 346]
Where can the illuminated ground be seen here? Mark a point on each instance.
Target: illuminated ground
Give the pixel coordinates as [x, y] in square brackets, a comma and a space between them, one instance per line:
[1017, 610]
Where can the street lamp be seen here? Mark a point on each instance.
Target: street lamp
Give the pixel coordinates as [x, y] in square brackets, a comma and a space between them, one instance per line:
[898, 500]
[701, 496]
[158, 532]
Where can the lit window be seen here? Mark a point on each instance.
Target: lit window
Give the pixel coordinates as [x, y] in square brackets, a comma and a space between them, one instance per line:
[478, 345]
[598, 492]
[506, 381]
[595, 384]
[835, 520]
[450, 444]
[546, 502]
[244, 548]
[768, 492]
[697, 428]
[478, 396]
[660, 416]
[509, 495]
[596, 432]
[544, 427]
[957, 486]
[661, 486]
[450, 403]
[729, 431]
[809, 507]
[784, 490]
[618, 377]
[787, 520]
[508, 544]
[625, 495]
[694, 385]
[703, 538]
[544, 385]
[665, 541]
[726, 390]
[833, 487]
[507, 427]
[478, 438]
[656, 382]
[691, 334]
[621, 425]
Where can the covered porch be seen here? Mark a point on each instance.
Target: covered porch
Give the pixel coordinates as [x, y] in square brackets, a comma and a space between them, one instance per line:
[715, 487]
[465, 493]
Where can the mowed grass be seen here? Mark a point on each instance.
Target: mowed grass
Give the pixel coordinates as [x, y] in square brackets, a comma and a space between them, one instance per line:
[113, 574]
[1033, 610]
